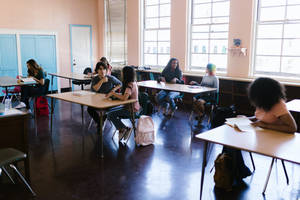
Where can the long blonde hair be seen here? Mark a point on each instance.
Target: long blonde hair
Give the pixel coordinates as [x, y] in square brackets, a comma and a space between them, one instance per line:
[33, 67]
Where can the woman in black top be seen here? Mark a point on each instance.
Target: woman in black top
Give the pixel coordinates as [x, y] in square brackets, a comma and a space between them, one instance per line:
[36, 72]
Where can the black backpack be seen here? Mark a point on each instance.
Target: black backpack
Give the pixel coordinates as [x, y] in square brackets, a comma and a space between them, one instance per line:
[147, 106]
[220, 114]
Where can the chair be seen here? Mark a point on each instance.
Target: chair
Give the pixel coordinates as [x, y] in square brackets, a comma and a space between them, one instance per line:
[9, 156]
[85, 82]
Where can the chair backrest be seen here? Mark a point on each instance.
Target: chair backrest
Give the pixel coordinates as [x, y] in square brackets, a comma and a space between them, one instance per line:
[46, 86]
[87, 70]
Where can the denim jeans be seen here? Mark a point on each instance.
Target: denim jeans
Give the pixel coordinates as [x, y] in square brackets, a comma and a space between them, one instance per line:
[116, 116]
[164, 98]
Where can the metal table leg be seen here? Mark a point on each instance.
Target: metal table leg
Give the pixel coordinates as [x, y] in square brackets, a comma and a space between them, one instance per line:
[203, 168]
[268, 177]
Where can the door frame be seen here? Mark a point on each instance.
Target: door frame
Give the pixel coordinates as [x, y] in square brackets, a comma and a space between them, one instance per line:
[19, 32]
[91, 47]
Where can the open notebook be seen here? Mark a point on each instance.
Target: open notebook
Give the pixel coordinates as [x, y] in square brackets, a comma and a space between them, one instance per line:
[27, 80]
[242, 123]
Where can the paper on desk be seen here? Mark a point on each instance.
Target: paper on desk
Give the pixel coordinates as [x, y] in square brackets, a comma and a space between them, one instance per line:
[81, 93]
[242, 123]
[27, 80]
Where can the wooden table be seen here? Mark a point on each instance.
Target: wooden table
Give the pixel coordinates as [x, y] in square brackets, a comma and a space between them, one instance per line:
[7, 81]
[277, 145]
[14, 134]
[95, 100]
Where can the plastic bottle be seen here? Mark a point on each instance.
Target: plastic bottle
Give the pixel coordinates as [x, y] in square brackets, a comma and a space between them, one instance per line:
[7, 103]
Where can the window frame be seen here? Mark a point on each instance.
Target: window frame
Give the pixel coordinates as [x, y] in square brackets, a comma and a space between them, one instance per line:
[190, 26]
[285, 21]
[143, 31]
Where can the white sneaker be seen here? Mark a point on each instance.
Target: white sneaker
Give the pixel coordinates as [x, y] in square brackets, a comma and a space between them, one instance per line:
[20, 105]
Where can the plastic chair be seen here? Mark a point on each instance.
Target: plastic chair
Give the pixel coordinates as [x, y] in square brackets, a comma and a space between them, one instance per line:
[86, 71]
[8, 157]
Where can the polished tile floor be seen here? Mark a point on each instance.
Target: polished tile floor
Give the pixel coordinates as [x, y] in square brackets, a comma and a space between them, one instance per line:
[66, 165]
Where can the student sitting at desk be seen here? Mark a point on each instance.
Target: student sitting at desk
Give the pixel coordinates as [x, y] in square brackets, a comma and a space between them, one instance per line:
[268, 96]
[102, 83]
[171, 74]
[209, 80]
[109, 67]
[36, 72]
[129, 91]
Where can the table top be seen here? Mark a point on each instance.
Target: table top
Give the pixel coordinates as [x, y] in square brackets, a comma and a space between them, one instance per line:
[7, 81]
[12, 112]
[73, 76]
[175, 87]
[293, 105]
[266, 142]
[88, 98]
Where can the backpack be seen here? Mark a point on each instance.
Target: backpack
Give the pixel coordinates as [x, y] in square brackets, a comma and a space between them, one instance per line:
[147, 106]
[220, 114]
[145, 134]
[223, 176]
[41, 104]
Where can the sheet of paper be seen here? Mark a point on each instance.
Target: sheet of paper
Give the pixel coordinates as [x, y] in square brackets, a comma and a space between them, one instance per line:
[241, 123]
[81, 93]
[28, 80]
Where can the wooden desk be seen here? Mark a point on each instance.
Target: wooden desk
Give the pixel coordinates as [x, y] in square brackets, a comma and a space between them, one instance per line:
[175, 87]
[7, 81]
[14, 134]
[95, 100]
[271, 143]
[293, 105]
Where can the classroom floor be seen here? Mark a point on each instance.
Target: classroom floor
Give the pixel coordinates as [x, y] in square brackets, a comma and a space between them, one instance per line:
[65, 165]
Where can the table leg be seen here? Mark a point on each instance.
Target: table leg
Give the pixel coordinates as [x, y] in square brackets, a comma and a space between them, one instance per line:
[268, 177]
[27, 169]
[101, 133]
[52, 84]
[285, 172]
[51, 117]
[133, 118]
[203, 168]
[70, 84]
[35, 115]
[82, 119]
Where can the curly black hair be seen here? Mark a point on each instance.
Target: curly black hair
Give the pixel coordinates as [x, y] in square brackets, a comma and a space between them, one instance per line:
[100, 64]
[264, 93]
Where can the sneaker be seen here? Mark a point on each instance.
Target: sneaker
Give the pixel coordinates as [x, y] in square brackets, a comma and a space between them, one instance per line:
[127, 133]
[21, 105]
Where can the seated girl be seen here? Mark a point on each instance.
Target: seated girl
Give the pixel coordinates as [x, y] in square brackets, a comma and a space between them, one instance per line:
[129, 91]
[171, 74]
[102, 83]
[268, 97]
[36, 72]
[209, 80]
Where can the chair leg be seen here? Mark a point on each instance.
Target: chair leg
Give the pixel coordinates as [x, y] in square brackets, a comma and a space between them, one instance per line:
[252, 161]
[268, 176]
[23, 179]
[90, 124]
[285, 172]
[8, 175]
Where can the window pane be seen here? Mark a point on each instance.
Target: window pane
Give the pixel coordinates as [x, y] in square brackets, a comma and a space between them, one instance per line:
[165, 10]
[164, 47]
[219, 35]
[218, 28]
[200, 46]
[164, 22]
[151, 23]
[199, 60]
[150, 47]
[268, 47]
[218, 46]
[150, 35]
[165, 1]
[200, 36]
[293, 12]
[202, 21]
[163, 35]
[200, 29]
[293, 2]
[201, 1]
[221, 9]
[267, 64]
[292, 31]
[272, 2]
[151, 2]
[202, 10]
[150, 59]
[269, 31]
[268, 14]
[152, 11]
[163, 59]
[290, 65]
[291, 47]
[220, 20]
[219, 60]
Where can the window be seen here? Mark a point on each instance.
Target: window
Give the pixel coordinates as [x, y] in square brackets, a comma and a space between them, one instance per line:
[156, 33]
[277, 49]
[115, 31]
[208, 41]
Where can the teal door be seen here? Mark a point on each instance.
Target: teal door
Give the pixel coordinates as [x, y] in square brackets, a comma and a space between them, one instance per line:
[41, 48]
[8, 56]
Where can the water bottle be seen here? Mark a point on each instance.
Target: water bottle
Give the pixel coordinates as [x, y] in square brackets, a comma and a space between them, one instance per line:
[7, 103]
